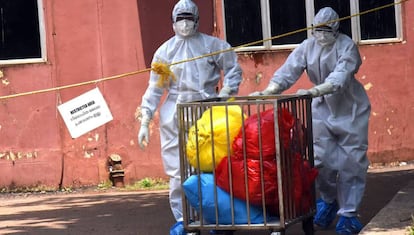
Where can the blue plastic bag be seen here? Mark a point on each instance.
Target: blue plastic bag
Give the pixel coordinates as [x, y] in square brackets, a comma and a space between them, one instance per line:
[223, 202]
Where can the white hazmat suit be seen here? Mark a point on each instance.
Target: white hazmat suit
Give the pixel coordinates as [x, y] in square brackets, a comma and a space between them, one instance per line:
[340, 110]
[195, 80]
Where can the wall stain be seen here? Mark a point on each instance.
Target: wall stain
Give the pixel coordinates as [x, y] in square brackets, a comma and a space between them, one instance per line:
[257, 58]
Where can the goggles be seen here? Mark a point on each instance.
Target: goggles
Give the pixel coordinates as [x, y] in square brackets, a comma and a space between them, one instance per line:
[323, 29]
[185, 16]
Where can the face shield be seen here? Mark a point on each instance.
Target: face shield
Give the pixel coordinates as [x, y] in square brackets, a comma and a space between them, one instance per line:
[185, 18]
[326, 26]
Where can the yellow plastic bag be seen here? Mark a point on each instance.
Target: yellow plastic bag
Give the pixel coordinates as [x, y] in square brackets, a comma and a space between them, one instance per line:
[212, 135]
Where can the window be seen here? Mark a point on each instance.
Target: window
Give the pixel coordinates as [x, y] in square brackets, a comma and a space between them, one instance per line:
[21, 32]
[379, 24]
[251, 21]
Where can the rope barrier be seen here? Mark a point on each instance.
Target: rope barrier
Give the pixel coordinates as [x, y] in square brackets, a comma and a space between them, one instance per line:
[163, 69]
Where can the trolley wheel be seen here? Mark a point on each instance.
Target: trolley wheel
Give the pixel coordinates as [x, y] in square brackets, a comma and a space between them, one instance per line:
[276, 233]
[193, 233]
[307, 226]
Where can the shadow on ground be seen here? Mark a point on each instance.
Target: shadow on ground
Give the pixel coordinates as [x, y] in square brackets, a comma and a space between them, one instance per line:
[145, 213]
[113, 213]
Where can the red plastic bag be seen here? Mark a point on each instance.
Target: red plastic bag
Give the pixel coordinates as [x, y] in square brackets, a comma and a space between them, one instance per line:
[303, 178]
[266, 139]
[309, 177]
[292, 140]
[254, 183]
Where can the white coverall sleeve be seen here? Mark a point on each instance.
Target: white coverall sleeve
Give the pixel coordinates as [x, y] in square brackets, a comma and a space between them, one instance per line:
[152, 95]
[292, 69]
[347, 65]
[150, 101]
[228, 62]
[149, 104]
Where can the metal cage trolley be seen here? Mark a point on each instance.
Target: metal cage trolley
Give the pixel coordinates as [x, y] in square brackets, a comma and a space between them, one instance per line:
[247, 164]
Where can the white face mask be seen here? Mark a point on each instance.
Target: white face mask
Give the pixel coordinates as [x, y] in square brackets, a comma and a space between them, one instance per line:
[324, 38]
[184, 28]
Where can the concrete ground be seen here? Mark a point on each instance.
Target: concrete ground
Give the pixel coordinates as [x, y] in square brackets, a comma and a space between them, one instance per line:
[396, 217]
[147, 213]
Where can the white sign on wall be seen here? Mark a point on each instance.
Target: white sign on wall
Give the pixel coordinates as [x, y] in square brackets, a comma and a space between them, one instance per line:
[85, 113]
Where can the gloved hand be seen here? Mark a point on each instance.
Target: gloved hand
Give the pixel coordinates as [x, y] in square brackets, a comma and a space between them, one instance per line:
[271, 89]
[143, 134]
[224, 92]
[319, 90]
[303, 92]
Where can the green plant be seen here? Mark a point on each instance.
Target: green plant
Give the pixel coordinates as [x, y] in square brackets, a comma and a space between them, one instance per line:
[411, 228]
[148, 184]
[105, 185]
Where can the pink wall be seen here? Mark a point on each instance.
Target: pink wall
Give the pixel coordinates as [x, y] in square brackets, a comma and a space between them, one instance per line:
[88, 40]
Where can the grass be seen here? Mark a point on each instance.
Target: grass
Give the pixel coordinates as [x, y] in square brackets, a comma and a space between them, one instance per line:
[149, 184]
[143, 184]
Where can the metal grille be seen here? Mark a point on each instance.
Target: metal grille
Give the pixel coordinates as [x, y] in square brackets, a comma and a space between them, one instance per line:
[291, 153]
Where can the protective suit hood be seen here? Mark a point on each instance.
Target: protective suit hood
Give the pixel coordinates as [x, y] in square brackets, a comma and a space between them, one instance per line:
[326, 35]
[185, 7]
[327, 14]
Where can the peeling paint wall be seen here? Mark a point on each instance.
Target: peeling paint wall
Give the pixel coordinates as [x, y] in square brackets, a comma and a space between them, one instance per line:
[87, 40]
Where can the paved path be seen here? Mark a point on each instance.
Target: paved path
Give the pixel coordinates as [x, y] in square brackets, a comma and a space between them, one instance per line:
[147, 213]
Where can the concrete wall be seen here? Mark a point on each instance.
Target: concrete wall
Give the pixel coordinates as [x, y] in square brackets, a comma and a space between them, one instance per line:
[88, 40]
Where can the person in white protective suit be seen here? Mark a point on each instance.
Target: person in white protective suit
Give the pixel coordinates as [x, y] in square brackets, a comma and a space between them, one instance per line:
[195, 80]
[340, 112]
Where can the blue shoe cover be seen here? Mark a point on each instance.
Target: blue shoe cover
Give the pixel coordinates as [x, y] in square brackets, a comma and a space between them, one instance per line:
[177, 229]
[348, 225]
[325, 213]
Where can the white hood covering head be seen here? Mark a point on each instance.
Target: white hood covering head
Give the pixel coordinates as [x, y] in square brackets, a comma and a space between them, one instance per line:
[186, 27]
[326, 34]
[185, 6]
[327, 14]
